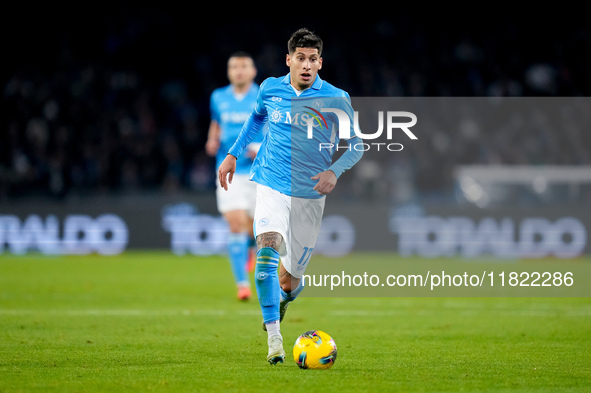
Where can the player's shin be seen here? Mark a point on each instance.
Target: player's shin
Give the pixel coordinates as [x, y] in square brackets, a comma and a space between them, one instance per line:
[267, 283]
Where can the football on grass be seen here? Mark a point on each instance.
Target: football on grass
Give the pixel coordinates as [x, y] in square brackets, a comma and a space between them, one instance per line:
[315, 349]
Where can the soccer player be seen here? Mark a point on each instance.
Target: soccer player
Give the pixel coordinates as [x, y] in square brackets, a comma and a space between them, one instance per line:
[230, 106]
[293, 175]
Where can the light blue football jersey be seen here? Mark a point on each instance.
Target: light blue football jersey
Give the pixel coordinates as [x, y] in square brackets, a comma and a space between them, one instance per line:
[288, 158]
[230, 111]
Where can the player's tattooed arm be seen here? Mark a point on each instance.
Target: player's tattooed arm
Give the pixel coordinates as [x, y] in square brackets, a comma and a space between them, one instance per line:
[269, 239]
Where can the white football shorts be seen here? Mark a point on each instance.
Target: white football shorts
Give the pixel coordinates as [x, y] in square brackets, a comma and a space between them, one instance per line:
[298, 220]
[241, 195]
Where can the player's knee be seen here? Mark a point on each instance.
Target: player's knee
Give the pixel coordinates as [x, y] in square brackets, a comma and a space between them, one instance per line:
[237, 221]
[236, 227]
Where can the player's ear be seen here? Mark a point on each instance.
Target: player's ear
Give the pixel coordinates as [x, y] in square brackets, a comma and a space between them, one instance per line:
[288, 60]
[320, 63]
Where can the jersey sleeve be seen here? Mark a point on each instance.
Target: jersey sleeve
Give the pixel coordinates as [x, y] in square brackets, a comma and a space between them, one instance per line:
[351, 156]
[348, 159]
[349, 110]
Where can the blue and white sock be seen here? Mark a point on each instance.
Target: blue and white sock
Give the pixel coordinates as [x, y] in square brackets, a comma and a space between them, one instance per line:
[238, 250]
[267, 283]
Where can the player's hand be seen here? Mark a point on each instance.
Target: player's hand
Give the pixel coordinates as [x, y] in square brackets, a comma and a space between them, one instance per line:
[212, 146]
[327, 180]
[226, 171]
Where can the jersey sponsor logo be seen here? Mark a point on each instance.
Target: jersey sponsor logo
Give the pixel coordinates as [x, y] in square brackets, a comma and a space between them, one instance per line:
[264, 221]
[311, 119]
[234, 117]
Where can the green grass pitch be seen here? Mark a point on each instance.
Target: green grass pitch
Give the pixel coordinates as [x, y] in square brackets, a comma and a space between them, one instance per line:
[153, 321]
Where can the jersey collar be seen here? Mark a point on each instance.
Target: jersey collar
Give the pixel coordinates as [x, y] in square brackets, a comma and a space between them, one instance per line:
[316, 85]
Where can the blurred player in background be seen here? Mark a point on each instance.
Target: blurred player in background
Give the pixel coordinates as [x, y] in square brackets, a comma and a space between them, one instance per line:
[293, 177]
[230, 106]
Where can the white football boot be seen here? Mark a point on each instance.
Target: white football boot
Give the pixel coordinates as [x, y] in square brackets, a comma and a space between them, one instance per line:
[276, 352]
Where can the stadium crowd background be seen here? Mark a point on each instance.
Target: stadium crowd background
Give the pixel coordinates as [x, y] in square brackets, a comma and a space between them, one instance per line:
[117, 102]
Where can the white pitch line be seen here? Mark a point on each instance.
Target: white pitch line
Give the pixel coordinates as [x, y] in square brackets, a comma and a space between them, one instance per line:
[583, 312]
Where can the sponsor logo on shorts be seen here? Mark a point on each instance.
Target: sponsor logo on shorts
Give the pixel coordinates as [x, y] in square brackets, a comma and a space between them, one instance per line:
[264, 221]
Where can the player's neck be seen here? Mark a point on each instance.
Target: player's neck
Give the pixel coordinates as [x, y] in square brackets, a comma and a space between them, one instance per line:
[298, 91]
[241, 89]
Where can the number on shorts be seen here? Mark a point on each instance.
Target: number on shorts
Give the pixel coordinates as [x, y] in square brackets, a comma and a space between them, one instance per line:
[306, 256]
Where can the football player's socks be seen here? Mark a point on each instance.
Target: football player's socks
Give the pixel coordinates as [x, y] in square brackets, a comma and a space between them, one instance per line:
[267, 283]
[238, 250]
[272, 328]
[290, 296]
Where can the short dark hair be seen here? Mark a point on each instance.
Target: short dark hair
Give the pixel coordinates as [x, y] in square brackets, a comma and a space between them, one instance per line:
[304, 38]
[240, 53]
